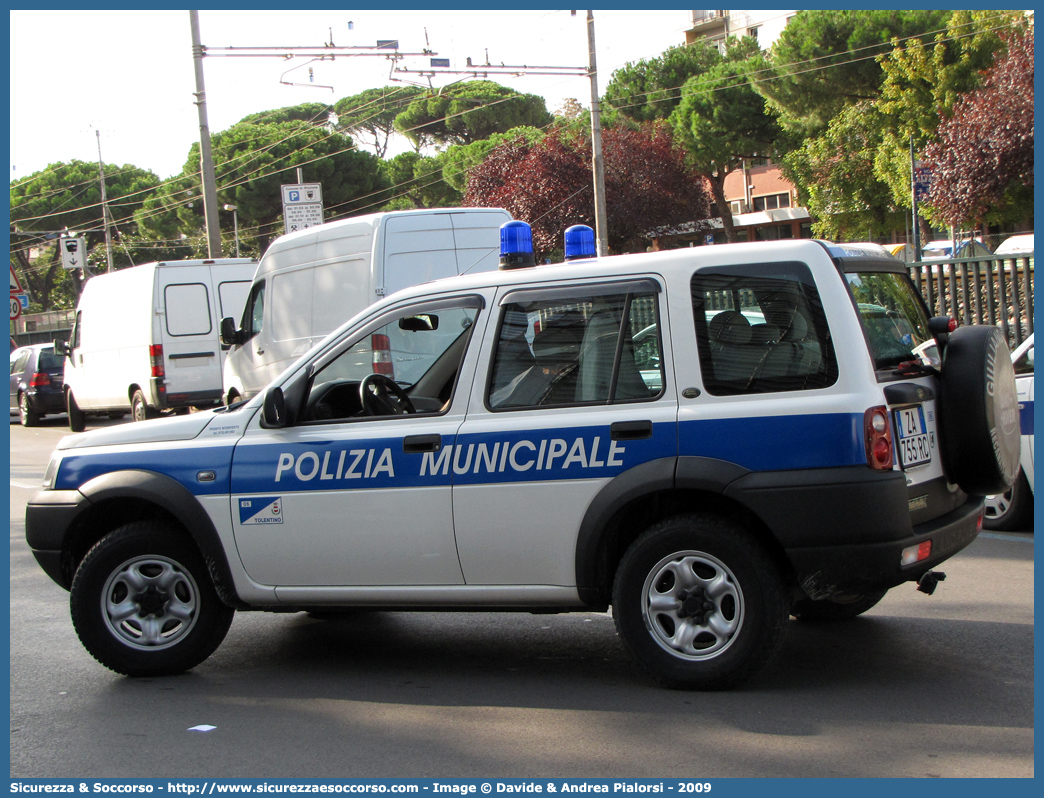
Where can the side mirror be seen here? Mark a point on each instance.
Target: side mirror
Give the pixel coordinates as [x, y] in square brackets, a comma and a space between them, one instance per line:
[61, 347]
[229, 333]
[273, 411]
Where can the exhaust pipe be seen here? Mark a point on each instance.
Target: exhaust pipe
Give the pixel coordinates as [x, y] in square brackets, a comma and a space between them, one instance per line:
[929, 581]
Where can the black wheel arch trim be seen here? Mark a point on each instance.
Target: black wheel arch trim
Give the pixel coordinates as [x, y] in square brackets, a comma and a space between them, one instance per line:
[147, 486]
[662, 475]
[800, 508]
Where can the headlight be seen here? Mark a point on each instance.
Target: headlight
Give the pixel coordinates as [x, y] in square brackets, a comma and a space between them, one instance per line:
[52, 470]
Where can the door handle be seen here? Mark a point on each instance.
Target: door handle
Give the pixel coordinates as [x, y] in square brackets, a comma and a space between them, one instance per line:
[630, 430]
[417, 444]
[260, 351]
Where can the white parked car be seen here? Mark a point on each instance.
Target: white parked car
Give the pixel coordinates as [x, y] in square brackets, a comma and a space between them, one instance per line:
[1013, 509]
[1016, 245]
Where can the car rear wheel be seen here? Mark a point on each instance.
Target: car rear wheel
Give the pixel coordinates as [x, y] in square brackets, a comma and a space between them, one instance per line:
[835, 609]
[143, 603]
[77, 421]
[699, 603]
[26, 415]
[140, 410]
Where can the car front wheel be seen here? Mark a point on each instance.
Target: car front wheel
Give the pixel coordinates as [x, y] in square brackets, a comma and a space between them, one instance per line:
[699, 603]
[143, 603]
[77, 422]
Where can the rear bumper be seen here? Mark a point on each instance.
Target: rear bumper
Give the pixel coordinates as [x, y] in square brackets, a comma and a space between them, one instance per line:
[168, 400]
[825, 571]
[46, 401]
[843, 530]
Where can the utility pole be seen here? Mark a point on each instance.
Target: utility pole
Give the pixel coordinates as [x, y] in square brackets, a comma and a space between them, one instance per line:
[597, 164]
[105, 206]
[913, 195]
[206, 157]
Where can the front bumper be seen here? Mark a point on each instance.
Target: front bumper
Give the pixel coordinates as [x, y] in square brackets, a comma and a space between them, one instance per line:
[48, 516]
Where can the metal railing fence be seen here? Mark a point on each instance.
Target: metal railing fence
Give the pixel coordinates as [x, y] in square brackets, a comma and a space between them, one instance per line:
[985, 289]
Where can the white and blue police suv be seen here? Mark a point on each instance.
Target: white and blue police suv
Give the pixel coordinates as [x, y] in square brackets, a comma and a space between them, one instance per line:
[708, 440]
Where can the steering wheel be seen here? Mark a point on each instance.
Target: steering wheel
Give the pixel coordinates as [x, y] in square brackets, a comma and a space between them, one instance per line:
[383, 396]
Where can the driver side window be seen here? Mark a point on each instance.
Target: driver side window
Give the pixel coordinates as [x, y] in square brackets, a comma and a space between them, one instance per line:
[407, 365]
[255, 311]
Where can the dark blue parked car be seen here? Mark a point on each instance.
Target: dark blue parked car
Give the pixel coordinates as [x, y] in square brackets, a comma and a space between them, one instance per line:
[36, 383]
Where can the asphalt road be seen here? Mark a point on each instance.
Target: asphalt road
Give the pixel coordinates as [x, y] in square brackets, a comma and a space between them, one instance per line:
[920, 686]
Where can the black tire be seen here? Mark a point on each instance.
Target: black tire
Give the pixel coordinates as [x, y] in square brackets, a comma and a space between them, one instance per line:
[730, 632]
[168, 623]
[979, 411]
[140, 410]
[27, 417]
[1012, 510]
[835, 609]
[77, 420]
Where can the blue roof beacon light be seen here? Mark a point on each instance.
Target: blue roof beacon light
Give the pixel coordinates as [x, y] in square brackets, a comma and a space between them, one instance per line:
[579, 242]
[516, 246]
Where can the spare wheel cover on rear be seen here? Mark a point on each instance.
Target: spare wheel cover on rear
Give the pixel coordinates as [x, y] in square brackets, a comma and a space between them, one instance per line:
[979, 411]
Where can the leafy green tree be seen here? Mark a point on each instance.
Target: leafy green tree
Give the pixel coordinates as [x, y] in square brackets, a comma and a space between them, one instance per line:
[923, 83]
[827, 59]
[251, 161]
[721, 121]
[652, 88]
[67, 196]
[310, 113]
[469, 112]
[370, 115]
[982, 158]
[835, 171]
[416, 182]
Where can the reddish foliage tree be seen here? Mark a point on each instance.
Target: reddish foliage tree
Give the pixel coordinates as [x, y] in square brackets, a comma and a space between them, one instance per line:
[985, 149]
[549, 185]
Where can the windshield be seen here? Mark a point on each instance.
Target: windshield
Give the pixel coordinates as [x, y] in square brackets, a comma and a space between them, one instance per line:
[894, 319]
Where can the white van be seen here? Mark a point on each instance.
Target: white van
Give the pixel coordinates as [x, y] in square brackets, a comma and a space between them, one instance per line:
[146, 338]
[312, 281]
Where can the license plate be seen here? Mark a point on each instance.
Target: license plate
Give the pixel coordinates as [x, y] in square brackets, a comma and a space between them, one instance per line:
[915, 444]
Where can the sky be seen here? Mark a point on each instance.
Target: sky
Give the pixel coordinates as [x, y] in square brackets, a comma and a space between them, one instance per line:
[125, 79]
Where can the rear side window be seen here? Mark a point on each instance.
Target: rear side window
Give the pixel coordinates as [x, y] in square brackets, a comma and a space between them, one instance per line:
[761, 329]
[581, 347]
[187, 309]
[894, 318]
[18, 365]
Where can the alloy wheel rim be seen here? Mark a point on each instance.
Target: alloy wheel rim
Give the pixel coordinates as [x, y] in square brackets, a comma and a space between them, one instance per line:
[692, 605]
[150, 603]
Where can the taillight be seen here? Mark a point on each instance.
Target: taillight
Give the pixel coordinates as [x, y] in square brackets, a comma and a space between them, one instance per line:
[156, 359]
[382, 356]
[877, 433]
[39, 378]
